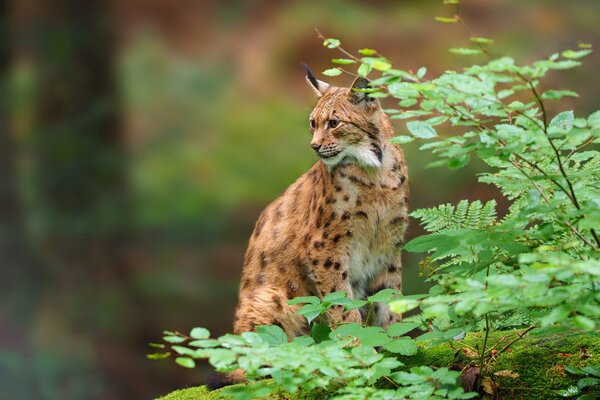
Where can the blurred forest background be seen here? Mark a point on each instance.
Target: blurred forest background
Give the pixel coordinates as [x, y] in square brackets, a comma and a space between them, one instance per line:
[140, 139]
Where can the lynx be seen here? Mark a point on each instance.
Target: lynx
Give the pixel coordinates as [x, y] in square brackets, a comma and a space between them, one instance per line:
[339, 227]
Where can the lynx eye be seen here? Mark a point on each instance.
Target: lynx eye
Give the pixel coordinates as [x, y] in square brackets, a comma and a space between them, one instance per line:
[333, 123]
[312, 123]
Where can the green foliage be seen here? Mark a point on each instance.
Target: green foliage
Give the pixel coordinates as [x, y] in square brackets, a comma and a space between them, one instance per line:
[464, 216]
[535, 268]
[588, 386]
[344, 361]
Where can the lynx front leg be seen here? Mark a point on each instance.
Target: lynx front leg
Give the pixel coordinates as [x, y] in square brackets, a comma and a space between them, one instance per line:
[331, 275]
[390, 278]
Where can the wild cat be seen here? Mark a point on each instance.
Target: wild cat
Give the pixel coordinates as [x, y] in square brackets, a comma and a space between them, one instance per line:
[339, 227]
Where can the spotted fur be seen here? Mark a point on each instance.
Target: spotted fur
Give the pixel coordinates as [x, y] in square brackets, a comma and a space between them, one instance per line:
[340, 226]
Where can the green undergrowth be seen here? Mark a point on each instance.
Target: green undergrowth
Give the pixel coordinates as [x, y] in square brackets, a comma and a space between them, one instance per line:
[534, 365]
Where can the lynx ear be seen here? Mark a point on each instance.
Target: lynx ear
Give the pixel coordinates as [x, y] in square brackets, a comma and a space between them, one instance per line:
[319, 87]
[360, 83]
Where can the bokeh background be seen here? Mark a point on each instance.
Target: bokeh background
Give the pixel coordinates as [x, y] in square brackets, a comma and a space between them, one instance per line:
[140, 139]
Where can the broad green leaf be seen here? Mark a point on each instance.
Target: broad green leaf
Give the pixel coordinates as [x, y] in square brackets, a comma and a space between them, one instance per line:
[558, 94]
[401, 139]
[563, 120]
[199, 333]
[320, 332]
[594, 120]
[404, 346]
[185, 362]
[402, 328]
[584, 323]
[332, 72]
[459, 161]
[383, 296]
[174, 339]
[364, 69]
[310, 311]
[403, 305]
[304, 299]
[272, 334]
[421, 130]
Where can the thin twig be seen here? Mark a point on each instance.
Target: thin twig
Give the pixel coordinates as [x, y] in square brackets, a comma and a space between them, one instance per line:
[519, 337]
[340, 48]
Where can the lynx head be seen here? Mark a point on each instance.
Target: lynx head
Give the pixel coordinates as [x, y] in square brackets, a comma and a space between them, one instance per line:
[346, 124]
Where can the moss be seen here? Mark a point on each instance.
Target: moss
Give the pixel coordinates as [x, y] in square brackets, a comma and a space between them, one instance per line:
[539, 361]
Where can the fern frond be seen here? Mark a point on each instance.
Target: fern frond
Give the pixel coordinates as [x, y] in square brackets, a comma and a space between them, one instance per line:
[464, 215]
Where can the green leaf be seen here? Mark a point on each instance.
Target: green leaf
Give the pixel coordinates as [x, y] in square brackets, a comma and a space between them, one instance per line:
[199, 333]
[174, 339]
[332, 72]
[367, 52]
[404, 346]
[401, 139]
[584, 323]
[158, 356]
[331, 297]
[331, 43]
[481, 40]
[272, 334]
[401, 328]
[383, 296]
[465, 51]
[304, 299]
[185, 362]
[382, 65]
[421, 72]
[558, 94]
[594, 120]
[569, 392]
[320, 332]
[421, 130]
[343, 61]
[364, 70]
[310, 311]
[184, 351]
[447, 20]
[459, 161]
[576, 53]
[403, 305]
[587, 382]
[563, 120]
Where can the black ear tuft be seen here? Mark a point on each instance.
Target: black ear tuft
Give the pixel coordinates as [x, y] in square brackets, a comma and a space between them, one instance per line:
[359, 97]
[310, 76]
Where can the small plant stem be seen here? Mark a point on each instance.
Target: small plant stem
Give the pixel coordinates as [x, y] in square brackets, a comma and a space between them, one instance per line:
[571, 192]
[519, 337]
[344, 51]
[482, 356]
[561, 167]
[543, 195]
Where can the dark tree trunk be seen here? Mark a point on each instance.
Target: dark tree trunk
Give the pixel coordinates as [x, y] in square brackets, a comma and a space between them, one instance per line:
[78, 202]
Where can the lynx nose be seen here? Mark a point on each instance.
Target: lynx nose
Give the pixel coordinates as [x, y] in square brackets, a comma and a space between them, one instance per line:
[315, 146]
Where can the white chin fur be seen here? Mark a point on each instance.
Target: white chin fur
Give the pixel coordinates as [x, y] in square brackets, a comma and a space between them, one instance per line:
[363, 155]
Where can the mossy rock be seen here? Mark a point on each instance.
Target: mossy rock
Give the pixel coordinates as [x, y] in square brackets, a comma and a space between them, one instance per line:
[539, 361]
